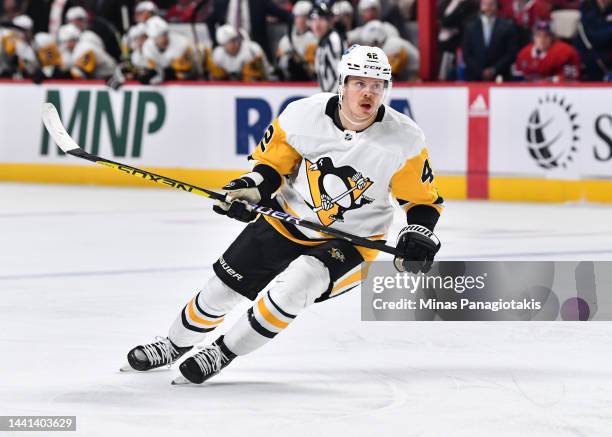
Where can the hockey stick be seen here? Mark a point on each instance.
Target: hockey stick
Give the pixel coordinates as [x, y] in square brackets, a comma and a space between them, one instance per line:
[339, 197]
[58, 132]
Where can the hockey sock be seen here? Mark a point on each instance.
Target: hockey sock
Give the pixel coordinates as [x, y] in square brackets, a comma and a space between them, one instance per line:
[203, 313]
[305, 279]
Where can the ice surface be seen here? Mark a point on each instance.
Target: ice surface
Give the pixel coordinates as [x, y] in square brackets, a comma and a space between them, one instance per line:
[86, 273]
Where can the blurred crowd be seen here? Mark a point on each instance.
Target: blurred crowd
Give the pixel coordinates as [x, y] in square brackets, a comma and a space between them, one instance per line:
[533, 40]
[256, 40]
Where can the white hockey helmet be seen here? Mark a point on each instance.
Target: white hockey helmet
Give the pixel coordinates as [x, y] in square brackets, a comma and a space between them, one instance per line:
[68, 32]
[226, 33]
[136, 31]
[302, 8]
[42, 40]
[373, 33]
[156, 27]
[364, 61]
[23, 22]
[76, 13]
[367, 4]
[342, 7]
[147, 6]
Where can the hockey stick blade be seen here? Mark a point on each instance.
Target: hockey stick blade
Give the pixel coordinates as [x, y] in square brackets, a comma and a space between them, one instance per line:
[56, 129]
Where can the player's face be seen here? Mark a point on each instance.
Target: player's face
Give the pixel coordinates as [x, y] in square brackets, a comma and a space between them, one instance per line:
[143, 16]
[348, 21]
[362, 96]
[232, 47]
[162, 41]
[301, 23]
[140, 40]
[70, 44]
[369, 14]
[81, 23]
[319, 26]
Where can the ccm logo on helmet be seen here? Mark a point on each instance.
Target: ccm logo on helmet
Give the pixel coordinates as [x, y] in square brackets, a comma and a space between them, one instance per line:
[373, 67]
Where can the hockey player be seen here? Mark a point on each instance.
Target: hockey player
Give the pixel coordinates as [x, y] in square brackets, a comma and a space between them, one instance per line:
[78, 16]
[49, 58]
[237, 58]
[547, 58]
[370, 10]
[68, 37]
[330, 158]
[137, 36]
[8, 55]
[15, 49]
[84, 58]
[145, 10]
[27, 64]
[403, 56]
[169, 55]
[296, 50]
[343, 16]
[137, 64]
[330, 47]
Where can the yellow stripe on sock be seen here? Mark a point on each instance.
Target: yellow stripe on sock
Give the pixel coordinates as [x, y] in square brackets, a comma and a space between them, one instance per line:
[355, 277]
[270, 318]
[193, 316]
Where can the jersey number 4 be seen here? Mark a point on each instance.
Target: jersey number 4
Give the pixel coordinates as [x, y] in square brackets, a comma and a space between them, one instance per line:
[266, 138]
[427, 174]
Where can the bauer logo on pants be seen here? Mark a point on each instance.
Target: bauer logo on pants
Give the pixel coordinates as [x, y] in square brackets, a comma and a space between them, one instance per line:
[230, 271]
[335, 190]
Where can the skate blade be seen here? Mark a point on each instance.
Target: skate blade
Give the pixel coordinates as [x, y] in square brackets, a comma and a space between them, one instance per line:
[126, 368]
[181, 380]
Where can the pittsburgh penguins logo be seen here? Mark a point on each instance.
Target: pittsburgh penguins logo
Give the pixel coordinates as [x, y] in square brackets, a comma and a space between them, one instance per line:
[335, 190]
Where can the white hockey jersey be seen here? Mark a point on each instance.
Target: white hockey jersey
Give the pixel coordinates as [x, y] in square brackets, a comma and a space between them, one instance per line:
[92, 37]
[346, 179]
[89, 60]
[354, 36]
[137, 59]
[304, 45]
[28, 62]
[8, 52]
[403, 57]
[179, 56]
[300, 48]
[248, 64]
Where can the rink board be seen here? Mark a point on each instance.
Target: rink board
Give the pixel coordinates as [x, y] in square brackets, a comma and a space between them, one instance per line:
[501, 143]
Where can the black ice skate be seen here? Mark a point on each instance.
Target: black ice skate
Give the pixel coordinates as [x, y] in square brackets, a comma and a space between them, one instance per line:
[205, 364]
[151, 356]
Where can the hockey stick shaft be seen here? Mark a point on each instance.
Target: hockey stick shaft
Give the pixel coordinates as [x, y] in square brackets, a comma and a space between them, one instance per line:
[56, 129]
[339, 197]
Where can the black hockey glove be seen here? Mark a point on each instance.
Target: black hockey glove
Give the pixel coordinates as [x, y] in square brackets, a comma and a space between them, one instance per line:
[38, 76]
[245, 188]
[145, 76]
[419, 246]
